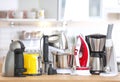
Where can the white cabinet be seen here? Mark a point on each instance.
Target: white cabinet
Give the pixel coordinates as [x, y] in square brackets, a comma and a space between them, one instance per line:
[8, 4]
[111, 3]
[28, 4]
[111, 9]
[53, 8]
[50, 7]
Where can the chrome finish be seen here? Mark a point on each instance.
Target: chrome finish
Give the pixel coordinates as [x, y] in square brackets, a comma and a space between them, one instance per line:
[58, 39]
[63, 61]
[96, 64]
[108, 56]
[97, 44]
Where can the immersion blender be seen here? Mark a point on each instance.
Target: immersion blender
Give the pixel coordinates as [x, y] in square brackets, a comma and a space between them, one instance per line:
[45, 52]
[108, 47]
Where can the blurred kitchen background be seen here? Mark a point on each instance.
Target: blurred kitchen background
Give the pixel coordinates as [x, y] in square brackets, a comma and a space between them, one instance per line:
[72, 16]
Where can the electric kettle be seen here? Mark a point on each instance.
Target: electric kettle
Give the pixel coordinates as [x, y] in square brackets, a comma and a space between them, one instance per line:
[14, 61]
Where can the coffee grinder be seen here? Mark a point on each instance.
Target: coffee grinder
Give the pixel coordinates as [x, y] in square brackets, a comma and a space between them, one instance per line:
[96, 43]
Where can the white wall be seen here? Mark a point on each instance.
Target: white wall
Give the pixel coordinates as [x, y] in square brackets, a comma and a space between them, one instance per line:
[28, 4]
[8, 4]
[50, 7]
[77, 10]
[84, 28]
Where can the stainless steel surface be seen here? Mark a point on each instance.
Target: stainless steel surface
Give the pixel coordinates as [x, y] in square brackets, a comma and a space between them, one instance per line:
[109, 31]
[58, 40]
[102, 44]
[108, 47]
[14, 45]
[96, 63]
[8, 66]
[97, 44]
[108, 56]
[63, 61]
[97, 47]
[91, 43]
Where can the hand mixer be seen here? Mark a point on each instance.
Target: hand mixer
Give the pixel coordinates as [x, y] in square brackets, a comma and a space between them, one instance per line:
[81, 53]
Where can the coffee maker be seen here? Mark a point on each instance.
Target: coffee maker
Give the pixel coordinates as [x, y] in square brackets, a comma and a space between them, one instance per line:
[14, 62]
[96, 43]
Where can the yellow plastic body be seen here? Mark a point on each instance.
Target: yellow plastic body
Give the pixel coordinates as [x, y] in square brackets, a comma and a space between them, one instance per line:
[31, 63]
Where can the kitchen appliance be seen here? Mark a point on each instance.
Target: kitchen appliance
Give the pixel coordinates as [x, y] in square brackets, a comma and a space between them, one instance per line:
[81, 56]
[32, 54]
[96, 43]
[14, 61]
[111, 63]
[62, 60]
[32, 62]
[48, 69]
[45, 53]
[51, 44]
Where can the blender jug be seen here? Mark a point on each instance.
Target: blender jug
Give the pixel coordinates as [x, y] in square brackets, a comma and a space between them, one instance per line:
[96, 43]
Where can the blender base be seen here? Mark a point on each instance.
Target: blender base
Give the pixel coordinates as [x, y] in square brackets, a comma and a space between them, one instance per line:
[81, 71]
[64, 71]
[109, 74]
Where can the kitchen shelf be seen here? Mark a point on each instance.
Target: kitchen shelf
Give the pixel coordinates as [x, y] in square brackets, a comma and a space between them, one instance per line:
[26, 20]
[30, 22]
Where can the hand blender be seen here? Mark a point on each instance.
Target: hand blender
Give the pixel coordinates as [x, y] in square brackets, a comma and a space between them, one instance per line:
[111, 66]
[45, 53]
[47, 70]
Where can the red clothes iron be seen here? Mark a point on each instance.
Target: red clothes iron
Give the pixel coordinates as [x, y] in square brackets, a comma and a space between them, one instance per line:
[81, 53]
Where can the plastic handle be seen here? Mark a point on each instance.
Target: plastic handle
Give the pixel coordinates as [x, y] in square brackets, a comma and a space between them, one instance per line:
[45, 48]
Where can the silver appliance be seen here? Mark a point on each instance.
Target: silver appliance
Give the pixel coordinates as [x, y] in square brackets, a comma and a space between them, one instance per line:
[59, 56]
[14, 61]
[96, 43]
